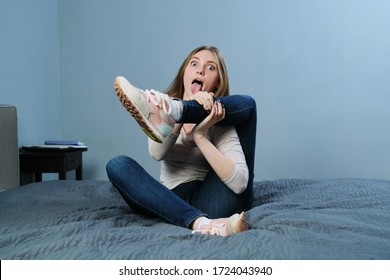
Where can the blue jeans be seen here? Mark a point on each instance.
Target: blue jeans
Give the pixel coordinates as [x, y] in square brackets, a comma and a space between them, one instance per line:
[189, 201]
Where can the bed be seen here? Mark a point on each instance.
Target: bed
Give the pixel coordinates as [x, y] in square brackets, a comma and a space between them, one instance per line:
[290, 219]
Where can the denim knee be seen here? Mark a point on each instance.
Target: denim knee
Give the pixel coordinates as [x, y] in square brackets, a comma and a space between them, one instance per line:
[116, 163]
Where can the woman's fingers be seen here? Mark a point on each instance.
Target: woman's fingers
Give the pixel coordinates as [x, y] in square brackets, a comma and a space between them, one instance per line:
[220, 110]
[205, 98]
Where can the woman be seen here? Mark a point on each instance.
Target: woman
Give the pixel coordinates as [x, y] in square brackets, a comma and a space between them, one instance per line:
[205, 140]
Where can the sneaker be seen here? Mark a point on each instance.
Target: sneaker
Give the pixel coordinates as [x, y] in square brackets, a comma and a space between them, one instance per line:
[225, 226]
[150, 109]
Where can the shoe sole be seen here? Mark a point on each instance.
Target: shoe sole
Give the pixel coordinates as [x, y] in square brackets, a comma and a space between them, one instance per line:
[134, 111]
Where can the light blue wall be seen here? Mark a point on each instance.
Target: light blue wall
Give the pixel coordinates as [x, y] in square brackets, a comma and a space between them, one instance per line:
[317, 69]
[29, 67]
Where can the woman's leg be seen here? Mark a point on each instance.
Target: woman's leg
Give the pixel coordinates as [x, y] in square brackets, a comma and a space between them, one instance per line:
[156, 113]
[215, 199]
[241, 112]
[239, 108]
[146, 195]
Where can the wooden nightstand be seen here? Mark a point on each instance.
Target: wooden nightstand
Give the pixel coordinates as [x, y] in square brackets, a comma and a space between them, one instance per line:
[51, 160]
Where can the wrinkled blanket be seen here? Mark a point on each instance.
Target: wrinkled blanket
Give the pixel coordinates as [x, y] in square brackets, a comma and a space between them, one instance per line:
[290, 219]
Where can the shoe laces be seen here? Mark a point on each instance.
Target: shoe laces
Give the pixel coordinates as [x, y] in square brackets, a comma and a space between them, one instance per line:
[219, 229]
[159, 99]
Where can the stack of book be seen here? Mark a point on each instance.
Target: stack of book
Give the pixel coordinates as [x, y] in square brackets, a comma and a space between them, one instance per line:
[64, 142]
[51, 145]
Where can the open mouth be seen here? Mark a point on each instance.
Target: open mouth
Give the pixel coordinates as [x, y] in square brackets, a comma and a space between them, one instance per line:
[196, 86]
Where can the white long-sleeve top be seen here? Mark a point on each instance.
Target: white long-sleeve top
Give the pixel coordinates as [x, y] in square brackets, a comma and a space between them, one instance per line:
[182, 161]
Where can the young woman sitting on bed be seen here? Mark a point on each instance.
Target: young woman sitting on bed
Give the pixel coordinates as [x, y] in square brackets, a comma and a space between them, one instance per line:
[205, 141]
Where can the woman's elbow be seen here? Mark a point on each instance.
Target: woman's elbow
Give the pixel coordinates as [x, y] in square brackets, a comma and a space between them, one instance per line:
[240, 189]
[243, 183]
[157, 157]
[156, 154]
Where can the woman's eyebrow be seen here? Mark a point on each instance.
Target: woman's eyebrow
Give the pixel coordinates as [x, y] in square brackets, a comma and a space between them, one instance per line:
[207, 62]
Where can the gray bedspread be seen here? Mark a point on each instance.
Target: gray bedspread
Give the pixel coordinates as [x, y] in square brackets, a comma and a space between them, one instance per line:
[290, 219]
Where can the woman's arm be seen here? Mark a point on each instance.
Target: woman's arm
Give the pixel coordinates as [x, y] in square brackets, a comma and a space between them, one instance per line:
[159, 151]
[226, 157]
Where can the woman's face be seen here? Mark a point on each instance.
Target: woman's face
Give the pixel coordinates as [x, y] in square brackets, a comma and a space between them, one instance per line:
[201, 74]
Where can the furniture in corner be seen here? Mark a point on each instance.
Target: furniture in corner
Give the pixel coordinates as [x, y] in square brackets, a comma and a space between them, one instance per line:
[38, 160]
[9, 159]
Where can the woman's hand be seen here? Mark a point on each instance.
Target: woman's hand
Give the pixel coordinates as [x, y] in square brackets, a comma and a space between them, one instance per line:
[204, 98]
[217, 114]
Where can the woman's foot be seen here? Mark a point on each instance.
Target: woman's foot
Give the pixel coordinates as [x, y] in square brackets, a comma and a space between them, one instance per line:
[151, 109]
[222, 227]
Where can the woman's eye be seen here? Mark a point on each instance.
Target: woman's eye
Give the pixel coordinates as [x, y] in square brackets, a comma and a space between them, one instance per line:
[211, 67]
[193, 63]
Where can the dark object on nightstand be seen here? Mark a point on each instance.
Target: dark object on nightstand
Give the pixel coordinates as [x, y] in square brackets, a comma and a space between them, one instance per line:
[38, 160]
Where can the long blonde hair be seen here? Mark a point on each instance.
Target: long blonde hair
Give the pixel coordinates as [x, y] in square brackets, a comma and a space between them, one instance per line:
[176, 88]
